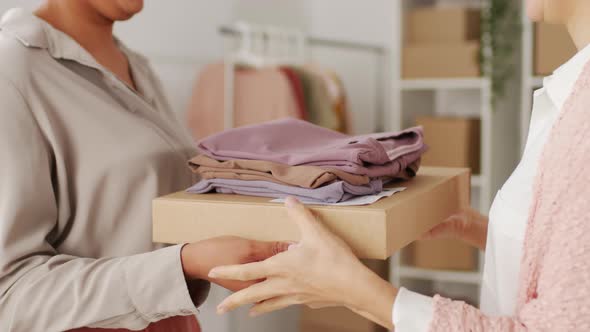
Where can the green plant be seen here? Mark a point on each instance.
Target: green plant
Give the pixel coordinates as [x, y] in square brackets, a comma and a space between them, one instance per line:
[501, 29]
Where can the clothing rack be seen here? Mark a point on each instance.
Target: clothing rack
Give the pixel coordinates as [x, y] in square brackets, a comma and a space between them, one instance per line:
[229, 30]
[243, 31]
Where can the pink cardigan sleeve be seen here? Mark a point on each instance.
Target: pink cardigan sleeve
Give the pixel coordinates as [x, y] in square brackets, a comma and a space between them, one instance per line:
[568, 311]
[556, 296]
[562, 299]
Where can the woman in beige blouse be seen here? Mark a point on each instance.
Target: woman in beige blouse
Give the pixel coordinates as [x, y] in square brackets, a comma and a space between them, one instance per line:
[87, 140]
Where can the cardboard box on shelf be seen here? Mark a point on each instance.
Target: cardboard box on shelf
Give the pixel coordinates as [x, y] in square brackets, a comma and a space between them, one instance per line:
[452, 141]
[553, 47]
[433, 25]
[458, 60]
[441, 255]
[373, 231]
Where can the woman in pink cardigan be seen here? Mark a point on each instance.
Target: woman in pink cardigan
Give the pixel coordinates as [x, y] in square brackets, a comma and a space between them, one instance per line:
[537, 243]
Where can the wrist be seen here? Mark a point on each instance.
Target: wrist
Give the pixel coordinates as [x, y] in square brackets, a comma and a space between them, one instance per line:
[374, 298]
[192, 270]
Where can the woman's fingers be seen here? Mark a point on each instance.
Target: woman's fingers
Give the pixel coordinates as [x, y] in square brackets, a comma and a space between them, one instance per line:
[263, 250]
[274, 304]
[253, 294]
[306, 221]
[447, 228]
[245, 272]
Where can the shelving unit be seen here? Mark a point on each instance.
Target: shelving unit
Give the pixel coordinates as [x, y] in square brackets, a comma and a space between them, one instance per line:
[444, 84]
[437, 88]
[477, 181]
[440, 275]
[412, 97]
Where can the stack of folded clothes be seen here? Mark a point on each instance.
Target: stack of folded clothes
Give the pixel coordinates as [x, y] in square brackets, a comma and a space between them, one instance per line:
[292, 157]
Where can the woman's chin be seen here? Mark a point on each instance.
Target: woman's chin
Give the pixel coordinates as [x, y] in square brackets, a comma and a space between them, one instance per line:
[129, 8]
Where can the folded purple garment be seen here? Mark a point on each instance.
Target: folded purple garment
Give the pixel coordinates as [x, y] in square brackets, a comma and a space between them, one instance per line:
[332, 193]
[296, 142]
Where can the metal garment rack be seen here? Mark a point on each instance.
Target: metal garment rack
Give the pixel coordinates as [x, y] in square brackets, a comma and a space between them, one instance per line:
[228, 30]
[382, 77]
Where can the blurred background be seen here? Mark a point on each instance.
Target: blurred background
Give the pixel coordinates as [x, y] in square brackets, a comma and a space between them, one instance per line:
[465, 70]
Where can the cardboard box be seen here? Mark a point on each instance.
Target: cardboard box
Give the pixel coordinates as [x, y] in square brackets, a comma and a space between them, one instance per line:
[335, 320]
[452, 142]
[441, 255]
[342, 319]
[373, 231]
[553, 47]
[432, 25]
[441, 60]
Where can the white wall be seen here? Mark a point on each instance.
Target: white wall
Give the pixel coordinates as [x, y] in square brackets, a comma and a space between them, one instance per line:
[355, 20]
[7, 4]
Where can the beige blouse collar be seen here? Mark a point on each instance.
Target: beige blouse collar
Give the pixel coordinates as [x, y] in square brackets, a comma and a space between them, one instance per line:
[32, 31]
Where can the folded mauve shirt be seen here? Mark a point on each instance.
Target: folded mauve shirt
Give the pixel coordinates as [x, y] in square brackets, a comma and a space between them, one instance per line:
[332, 193]
[261, 170]
[296, 142]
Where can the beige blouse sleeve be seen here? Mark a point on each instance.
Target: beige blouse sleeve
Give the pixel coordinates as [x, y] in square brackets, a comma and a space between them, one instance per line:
[126, 292]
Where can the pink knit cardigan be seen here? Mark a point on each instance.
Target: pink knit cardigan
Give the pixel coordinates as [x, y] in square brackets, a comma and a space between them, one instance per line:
[554, 293]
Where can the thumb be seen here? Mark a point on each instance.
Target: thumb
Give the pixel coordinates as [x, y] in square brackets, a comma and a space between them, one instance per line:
[264, 250]
[302, 216]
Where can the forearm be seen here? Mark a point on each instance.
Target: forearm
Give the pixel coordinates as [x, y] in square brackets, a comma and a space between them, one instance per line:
[127, 292]
[373, 298]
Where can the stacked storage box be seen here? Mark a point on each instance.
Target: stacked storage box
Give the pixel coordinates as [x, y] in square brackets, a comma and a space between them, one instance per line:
[451, 50]
[441, 43]
[453, 142]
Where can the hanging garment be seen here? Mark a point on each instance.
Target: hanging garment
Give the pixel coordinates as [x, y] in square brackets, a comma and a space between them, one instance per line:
[306, 89]
[340, 102]
[295, 142]
[260, 170]
[298, 91]
[337, 94]
[318, 101]
[332, 193]
[260, 95]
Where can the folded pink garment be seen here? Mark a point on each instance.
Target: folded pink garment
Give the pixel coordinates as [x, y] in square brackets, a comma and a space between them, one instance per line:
[296, 142]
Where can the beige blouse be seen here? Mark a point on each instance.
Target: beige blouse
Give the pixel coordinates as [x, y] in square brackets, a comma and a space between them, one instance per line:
[81, 158]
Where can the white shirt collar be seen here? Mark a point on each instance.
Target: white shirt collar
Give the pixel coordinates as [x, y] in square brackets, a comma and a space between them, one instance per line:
[560, 85]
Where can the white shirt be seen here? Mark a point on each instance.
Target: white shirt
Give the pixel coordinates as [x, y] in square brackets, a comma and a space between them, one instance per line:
[508, 214]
